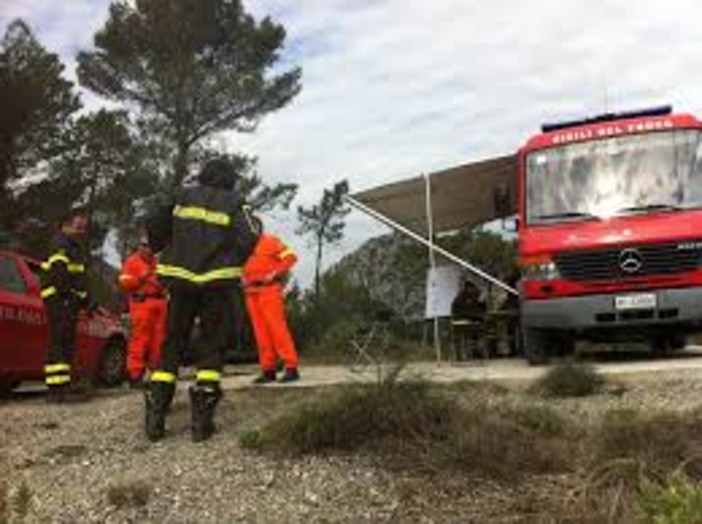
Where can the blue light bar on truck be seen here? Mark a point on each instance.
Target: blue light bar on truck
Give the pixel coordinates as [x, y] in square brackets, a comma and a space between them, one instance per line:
[609, 117]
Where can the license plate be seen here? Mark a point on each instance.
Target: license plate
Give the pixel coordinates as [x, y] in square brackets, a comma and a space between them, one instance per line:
[639, 301]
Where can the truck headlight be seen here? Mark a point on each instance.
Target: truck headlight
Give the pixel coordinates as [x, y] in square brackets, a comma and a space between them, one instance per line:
[539, 268]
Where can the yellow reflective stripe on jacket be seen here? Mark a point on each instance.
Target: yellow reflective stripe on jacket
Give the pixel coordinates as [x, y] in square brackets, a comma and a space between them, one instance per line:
[201, 278]
[50, 369]
[56, 257]
[76, 268]
[81, 294]
[208, 375]
[57, 380]
[200, 213]
[49, 291]
[60, 257]
[163, 376]
[287, 253]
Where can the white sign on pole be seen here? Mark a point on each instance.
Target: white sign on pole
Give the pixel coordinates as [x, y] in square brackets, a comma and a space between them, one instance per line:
[443, 284]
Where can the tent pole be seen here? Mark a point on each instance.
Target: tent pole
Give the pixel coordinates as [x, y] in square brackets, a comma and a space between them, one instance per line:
[432, 257]
[419, 238]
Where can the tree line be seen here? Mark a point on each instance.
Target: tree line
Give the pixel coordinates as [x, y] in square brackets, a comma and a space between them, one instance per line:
[173, 74]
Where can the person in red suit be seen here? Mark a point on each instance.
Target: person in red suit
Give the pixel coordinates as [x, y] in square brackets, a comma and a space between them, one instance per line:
[264, 275]
[148, 310]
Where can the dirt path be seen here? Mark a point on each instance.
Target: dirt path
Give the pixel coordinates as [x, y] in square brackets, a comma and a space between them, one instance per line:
[91, 463]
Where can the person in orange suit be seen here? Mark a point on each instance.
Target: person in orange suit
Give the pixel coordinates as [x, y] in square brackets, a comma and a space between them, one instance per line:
[264, 273]
[148, 310]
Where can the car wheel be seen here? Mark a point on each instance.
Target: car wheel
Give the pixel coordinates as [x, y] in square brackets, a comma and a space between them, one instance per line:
[113, 369]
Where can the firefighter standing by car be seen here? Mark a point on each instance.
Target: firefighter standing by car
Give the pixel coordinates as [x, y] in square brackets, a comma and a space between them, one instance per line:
[264, 273]
[207, 236]
[65, 292]
[147, 311]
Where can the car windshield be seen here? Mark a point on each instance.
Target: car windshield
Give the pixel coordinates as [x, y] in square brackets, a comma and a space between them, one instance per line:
[633, 174]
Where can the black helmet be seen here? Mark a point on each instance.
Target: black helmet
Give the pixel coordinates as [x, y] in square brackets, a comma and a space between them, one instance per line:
[219, 173]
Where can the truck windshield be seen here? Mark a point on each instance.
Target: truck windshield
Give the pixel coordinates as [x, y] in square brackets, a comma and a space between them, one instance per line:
[633, 174]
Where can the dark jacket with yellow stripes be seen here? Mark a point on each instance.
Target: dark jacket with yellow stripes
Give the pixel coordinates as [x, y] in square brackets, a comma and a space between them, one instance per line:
[205, 234]
[64, 273]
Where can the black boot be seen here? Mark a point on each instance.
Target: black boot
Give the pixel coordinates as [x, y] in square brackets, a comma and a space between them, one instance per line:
[291, 375]
[203, 401]
[265, 377]
[158, 396]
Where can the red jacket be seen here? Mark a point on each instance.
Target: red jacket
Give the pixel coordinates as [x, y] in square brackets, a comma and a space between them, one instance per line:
[270, 259]
[139, 275]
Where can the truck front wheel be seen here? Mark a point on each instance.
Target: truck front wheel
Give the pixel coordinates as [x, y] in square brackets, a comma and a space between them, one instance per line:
[535, 346]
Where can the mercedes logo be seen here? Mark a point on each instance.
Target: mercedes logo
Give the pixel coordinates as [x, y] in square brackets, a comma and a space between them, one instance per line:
[630, 261]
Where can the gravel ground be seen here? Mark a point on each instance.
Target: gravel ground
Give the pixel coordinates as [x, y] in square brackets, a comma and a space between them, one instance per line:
[82, 463]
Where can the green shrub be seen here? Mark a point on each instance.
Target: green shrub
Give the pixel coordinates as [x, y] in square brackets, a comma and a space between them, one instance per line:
[569, 379]
[410, 424]
[677, 501]
[354, 416]
[251, 440]
[22, 500]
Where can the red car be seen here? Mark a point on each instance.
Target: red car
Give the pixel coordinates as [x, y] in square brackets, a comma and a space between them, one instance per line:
[100, 350]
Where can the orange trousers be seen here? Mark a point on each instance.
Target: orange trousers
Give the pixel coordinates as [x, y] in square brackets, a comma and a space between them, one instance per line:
[267, 313]
[148, 330]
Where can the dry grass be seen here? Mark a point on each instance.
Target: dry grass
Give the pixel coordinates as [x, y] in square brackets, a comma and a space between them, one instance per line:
[615, 468]
[419, 427]
[4, 487]
[129, 494]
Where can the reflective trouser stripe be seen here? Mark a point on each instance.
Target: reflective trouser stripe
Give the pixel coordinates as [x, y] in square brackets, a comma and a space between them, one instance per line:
[51, 291]
[208, 375]
[163, 376]
[56, 380]
[198, 278]
[50, 369]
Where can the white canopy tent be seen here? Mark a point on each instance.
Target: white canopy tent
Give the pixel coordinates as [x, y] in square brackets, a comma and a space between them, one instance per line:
[460, 197]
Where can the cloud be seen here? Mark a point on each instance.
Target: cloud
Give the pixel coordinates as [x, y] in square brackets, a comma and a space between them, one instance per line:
[392, 88]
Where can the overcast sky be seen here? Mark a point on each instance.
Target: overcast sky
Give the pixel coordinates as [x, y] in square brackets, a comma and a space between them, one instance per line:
[393, 88]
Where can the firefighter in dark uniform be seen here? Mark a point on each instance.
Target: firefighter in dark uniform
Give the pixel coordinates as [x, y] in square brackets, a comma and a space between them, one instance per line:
[65, 292]
[205, 236]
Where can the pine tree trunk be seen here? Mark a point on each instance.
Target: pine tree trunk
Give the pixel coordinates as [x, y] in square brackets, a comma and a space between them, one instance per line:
[317, 270]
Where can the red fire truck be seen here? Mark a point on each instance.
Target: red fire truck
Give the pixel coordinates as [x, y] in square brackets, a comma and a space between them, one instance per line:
[610, 232]
[100, 348]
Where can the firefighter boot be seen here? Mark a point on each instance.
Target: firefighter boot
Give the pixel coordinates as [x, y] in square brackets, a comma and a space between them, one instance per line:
[266, 377]
[290, 375]
[158, 396]
[203, 401]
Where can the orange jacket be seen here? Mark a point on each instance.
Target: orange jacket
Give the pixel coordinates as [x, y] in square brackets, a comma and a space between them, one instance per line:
[139, 275]
[270, 259]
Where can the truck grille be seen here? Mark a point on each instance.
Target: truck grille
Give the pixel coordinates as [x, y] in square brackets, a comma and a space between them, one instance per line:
[630, 261]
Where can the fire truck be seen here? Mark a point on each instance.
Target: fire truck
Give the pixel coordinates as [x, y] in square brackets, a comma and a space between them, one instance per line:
[609, 225]
[610, 232]
[101, 340]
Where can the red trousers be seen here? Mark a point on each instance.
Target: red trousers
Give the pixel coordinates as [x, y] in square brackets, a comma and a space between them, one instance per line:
[267, 313]
[148, 329]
